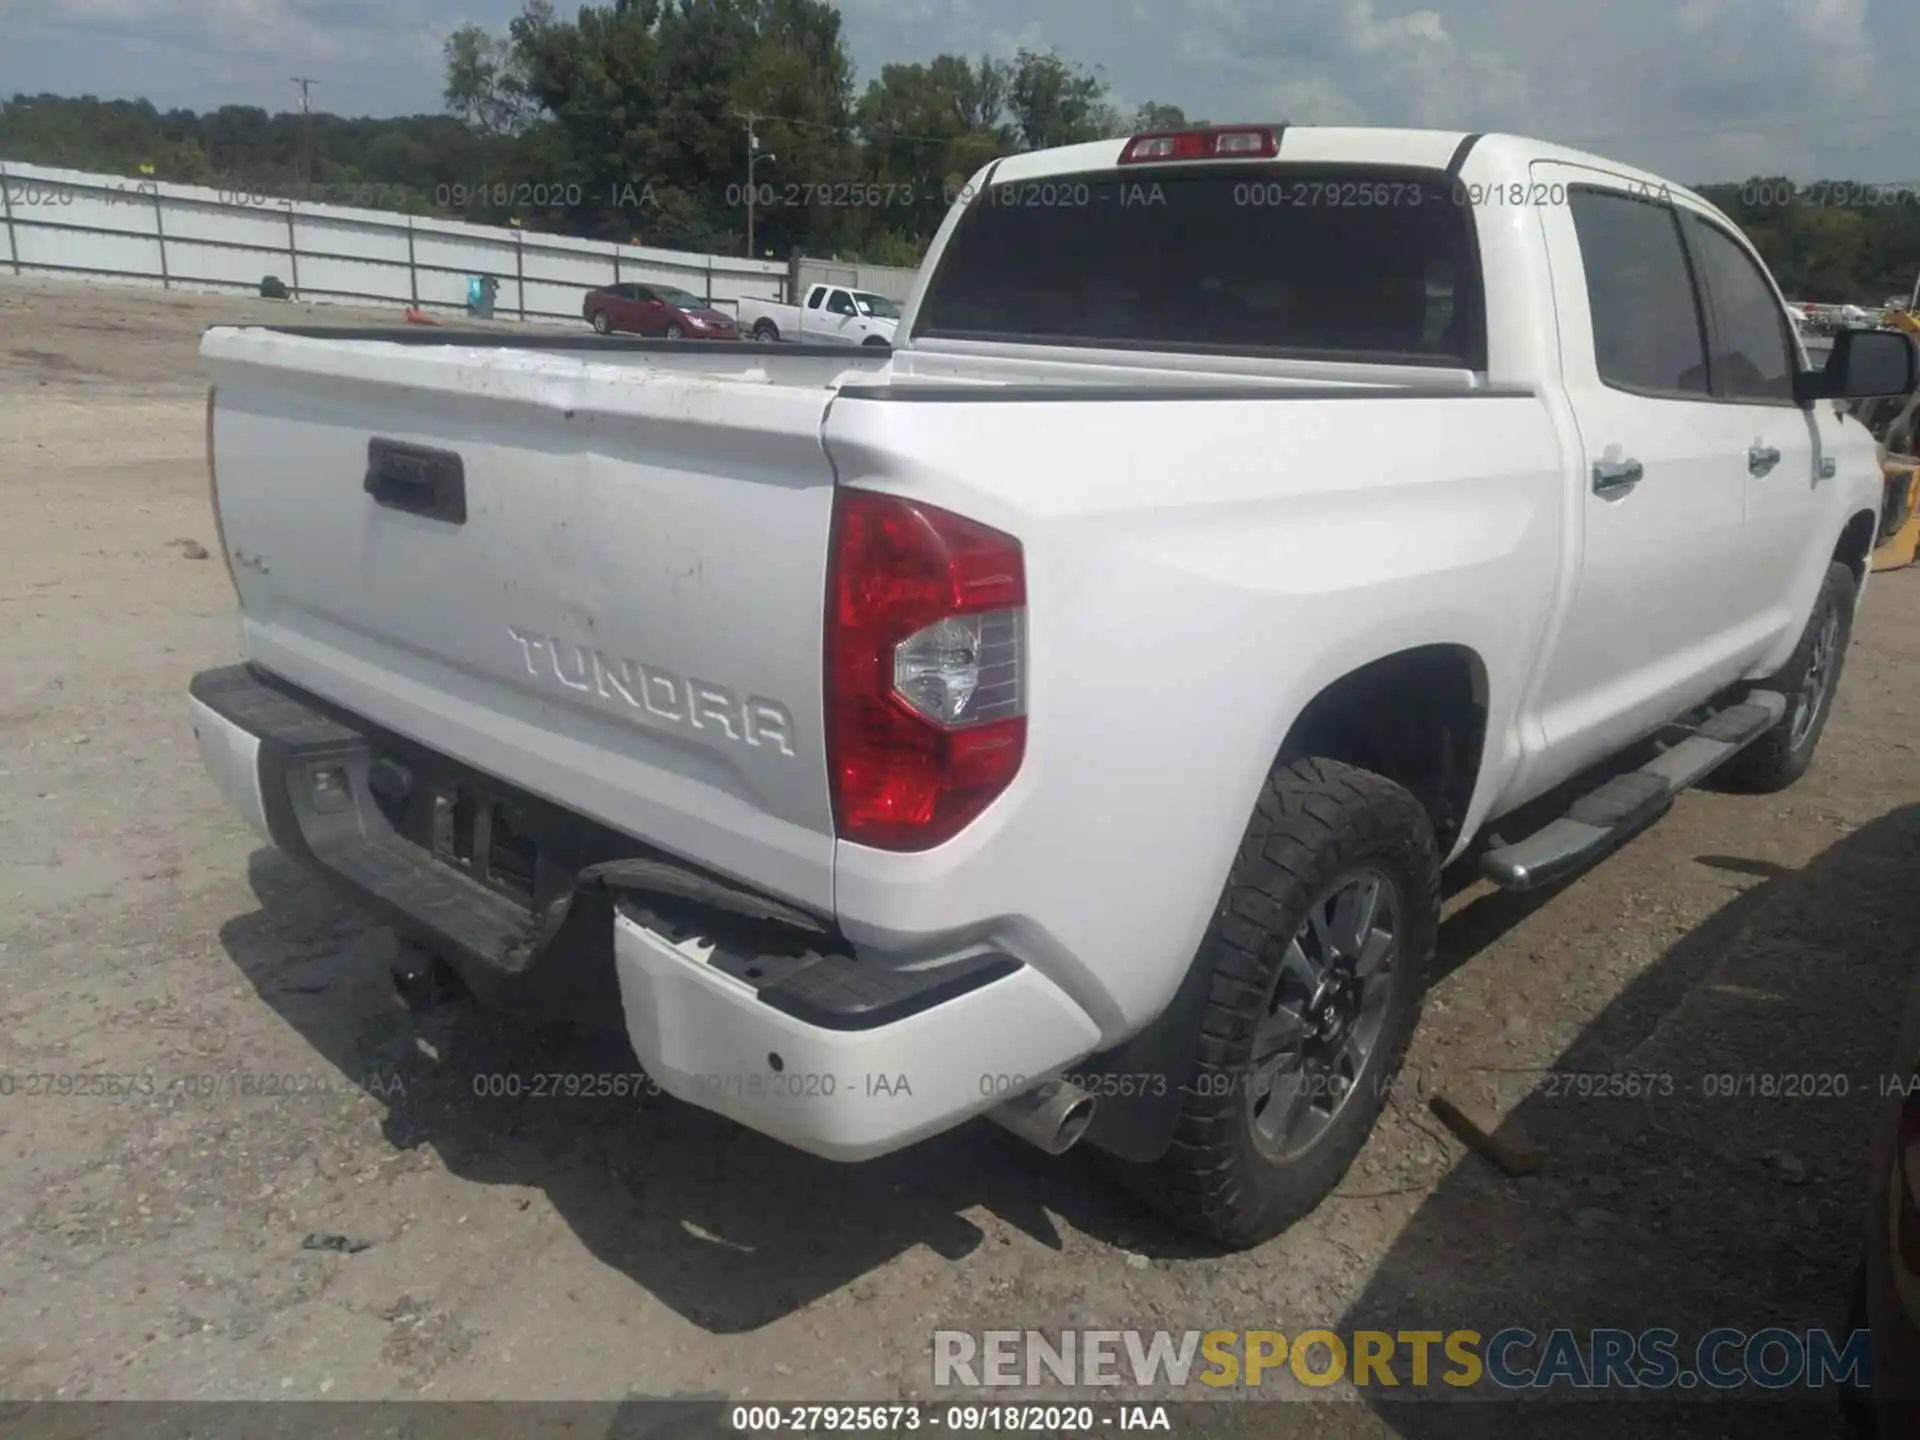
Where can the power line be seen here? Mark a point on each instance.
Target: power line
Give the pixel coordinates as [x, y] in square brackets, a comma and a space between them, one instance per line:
[849, 131]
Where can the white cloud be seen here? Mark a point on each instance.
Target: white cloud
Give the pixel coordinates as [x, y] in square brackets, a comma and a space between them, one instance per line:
[1345, 62]
[1711, 88]
[1005, 44]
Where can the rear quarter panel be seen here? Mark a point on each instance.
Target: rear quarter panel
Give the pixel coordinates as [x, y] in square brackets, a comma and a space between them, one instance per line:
[1198, 570]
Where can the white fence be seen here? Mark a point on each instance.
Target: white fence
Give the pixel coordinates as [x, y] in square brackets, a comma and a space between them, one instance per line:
[66, 222]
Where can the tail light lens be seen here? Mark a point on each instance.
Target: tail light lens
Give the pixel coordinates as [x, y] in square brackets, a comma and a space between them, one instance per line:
[1240, 142]
[926, 669]
[213, 498]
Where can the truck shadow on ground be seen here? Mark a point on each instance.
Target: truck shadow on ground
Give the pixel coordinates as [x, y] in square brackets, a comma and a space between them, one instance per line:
[733, 1231]
[1729, 1193]
[728, 1228]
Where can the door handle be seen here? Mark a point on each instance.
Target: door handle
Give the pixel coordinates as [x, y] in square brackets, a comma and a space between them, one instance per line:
[1761, 459]
[416, 479]
[1829, 467]
[1616, 477]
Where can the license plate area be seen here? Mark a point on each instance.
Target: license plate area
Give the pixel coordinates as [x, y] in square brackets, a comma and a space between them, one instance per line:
[486, 837]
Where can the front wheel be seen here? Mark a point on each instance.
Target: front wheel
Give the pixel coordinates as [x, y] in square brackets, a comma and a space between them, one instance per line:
[1318, 954]
[879, 341]
[674, 332]
[601, 324]
[1809, 680]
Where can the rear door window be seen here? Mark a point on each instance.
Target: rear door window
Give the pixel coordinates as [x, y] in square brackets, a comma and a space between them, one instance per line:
[1322, 262]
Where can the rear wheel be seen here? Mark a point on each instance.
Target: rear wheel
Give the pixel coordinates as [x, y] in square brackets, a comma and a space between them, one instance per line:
[1319, 953]
[601, 323]
[766, 332]
[1809, 680]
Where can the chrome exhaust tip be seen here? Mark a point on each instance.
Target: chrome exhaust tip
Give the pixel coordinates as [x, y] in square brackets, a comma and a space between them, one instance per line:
[1052, 1116]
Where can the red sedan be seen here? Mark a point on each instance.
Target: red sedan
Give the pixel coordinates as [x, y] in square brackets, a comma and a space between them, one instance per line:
[656, 310]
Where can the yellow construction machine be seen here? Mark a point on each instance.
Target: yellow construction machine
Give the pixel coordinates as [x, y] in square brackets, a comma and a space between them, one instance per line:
[1895, 423]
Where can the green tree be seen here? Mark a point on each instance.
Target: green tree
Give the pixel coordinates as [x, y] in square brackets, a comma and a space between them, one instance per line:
[1154, 116]
[925, 130]
[486, 85]
[1058, 103]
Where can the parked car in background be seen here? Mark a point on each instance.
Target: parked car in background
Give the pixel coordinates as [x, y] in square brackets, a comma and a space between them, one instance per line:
[832, 314]
[662, 311]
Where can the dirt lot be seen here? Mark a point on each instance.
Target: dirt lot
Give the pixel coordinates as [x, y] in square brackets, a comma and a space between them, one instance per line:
[151, 1245]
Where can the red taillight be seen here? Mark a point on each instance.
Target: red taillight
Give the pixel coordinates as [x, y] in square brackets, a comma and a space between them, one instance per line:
[1237, 142]
[926, 669]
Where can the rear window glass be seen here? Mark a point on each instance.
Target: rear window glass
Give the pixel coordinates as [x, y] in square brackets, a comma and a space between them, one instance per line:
[1331, 263]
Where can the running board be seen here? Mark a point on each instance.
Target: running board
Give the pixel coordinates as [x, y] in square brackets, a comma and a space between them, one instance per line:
[1627, 804]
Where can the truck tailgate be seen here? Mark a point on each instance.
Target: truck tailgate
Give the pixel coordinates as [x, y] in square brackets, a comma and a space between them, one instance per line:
[600, 582]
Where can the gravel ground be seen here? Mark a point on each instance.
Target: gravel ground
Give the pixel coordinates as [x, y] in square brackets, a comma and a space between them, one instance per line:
[152, 1245]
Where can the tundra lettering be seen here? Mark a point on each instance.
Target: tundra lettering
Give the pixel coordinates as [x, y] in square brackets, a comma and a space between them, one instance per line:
[698, 703]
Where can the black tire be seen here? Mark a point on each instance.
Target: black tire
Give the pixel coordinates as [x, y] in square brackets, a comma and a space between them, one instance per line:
[674, 332]
[1317, 823]
[877, 340]
[766, 332]
[602, 324]
[1781, 756]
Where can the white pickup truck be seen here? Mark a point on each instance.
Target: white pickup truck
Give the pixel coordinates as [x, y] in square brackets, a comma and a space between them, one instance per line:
[1066, 715]
[831, 315]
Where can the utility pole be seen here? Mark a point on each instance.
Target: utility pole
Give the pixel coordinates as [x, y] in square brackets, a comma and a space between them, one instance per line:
[306, 125]
[752, 117]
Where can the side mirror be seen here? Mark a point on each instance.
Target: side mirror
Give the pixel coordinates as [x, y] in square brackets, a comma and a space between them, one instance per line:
[1864, 365]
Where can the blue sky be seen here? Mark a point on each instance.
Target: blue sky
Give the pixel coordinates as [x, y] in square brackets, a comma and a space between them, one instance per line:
[1696, 89]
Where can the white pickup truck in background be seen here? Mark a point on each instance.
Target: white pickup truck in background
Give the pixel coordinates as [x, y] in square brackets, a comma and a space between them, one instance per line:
[830, 315]
[1066, 715]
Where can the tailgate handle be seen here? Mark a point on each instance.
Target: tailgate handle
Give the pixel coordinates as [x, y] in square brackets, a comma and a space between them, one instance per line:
[418, 480]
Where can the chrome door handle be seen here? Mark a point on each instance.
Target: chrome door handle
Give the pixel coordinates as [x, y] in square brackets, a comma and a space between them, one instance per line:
[1616, 477]
[1829, 467]
[1761, 459]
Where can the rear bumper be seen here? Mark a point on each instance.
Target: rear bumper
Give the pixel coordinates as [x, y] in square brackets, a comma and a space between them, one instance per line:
[774, 1024]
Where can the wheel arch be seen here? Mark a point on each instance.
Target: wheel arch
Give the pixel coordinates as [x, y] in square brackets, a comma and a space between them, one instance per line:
[1437, 757]
[1857, 540]
[1417, 716]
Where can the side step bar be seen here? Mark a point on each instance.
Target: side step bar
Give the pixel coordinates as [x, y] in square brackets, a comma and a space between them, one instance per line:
[1598, 822]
